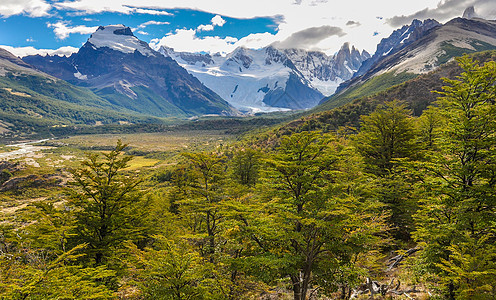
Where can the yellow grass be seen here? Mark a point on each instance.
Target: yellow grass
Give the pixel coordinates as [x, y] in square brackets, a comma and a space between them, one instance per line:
[17, 93]
[156, 142]
[139, 162]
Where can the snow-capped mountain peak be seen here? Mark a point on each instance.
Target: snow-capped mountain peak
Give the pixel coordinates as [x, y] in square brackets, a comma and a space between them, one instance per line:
[119, 38]
[269, 78]
[251, 80]
[240, 57]
[324, 72]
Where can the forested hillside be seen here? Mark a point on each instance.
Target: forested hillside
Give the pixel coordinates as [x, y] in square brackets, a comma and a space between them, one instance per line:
[403, 206]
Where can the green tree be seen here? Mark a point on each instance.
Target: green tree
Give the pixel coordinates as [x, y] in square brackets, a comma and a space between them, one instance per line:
[205, 177]
[315, 233]
[430, 128]
[245, 164]
[108, 206]
[387, 141]
[456, 227]
[172, 271]
[39, 274]
[386, 135]
[207, 207]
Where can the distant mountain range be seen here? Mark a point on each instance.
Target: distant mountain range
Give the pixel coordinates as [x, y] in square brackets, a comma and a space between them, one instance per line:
[270, 79]
[126, 71]
[115, 77]
[119, 67]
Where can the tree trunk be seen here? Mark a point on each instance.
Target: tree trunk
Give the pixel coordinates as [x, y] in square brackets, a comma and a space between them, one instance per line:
[343, 292]
[295, 279]
[98, 258]
[300, 284]
[305, 282]
[451, 291]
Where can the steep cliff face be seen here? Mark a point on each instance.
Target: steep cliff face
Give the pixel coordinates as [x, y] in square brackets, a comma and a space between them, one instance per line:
[397, 40]
[325, 72]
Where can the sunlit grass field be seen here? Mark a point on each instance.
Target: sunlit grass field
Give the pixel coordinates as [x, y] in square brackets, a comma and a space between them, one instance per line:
[154, 142]
[55, 159]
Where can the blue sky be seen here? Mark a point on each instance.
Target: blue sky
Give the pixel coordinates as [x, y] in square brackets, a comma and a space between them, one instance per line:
[38, 32]
[220, 25]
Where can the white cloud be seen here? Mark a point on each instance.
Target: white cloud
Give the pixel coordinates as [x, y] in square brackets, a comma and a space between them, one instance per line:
[218, 21]
[143, 25]
[257, 40]
[186, 40]
[143, 32]
[33, 8]
[446, 9]
[208, 27]
[62, 30]
[25, 51]
[291, 16]
[148, 11]
[125, 7]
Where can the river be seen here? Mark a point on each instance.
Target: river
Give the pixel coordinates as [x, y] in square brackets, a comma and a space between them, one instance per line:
[25, 148]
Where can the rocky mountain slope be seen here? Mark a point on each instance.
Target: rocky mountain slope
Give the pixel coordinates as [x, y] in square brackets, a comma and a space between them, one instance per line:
[127, 72]
[397, 40]
[417, 93]
[32, 102]
[435, 47]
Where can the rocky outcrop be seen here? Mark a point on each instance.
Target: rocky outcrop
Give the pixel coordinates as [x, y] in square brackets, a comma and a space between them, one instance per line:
[398, 40]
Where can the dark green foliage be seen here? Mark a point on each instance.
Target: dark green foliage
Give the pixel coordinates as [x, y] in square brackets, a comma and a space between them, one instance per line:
[108, 205]
[386, 135]
[456, 222]
[4, 176]
[164, 176]
[450, 51]
[246, 166]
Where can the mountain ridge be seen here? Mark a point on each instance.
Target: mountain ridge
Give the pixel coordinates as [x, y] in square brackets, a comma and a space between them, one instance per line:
[270, 79]
[126, 71]
[437, 46]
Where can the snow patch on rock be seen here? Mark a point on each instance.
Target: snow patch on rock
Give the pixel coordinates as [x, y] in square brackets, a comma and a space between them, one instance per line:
[119, 38]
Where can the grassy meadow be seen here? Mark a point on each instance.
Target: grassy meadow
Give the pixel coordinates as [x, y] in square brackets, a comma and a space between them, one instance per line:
[43, 173]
